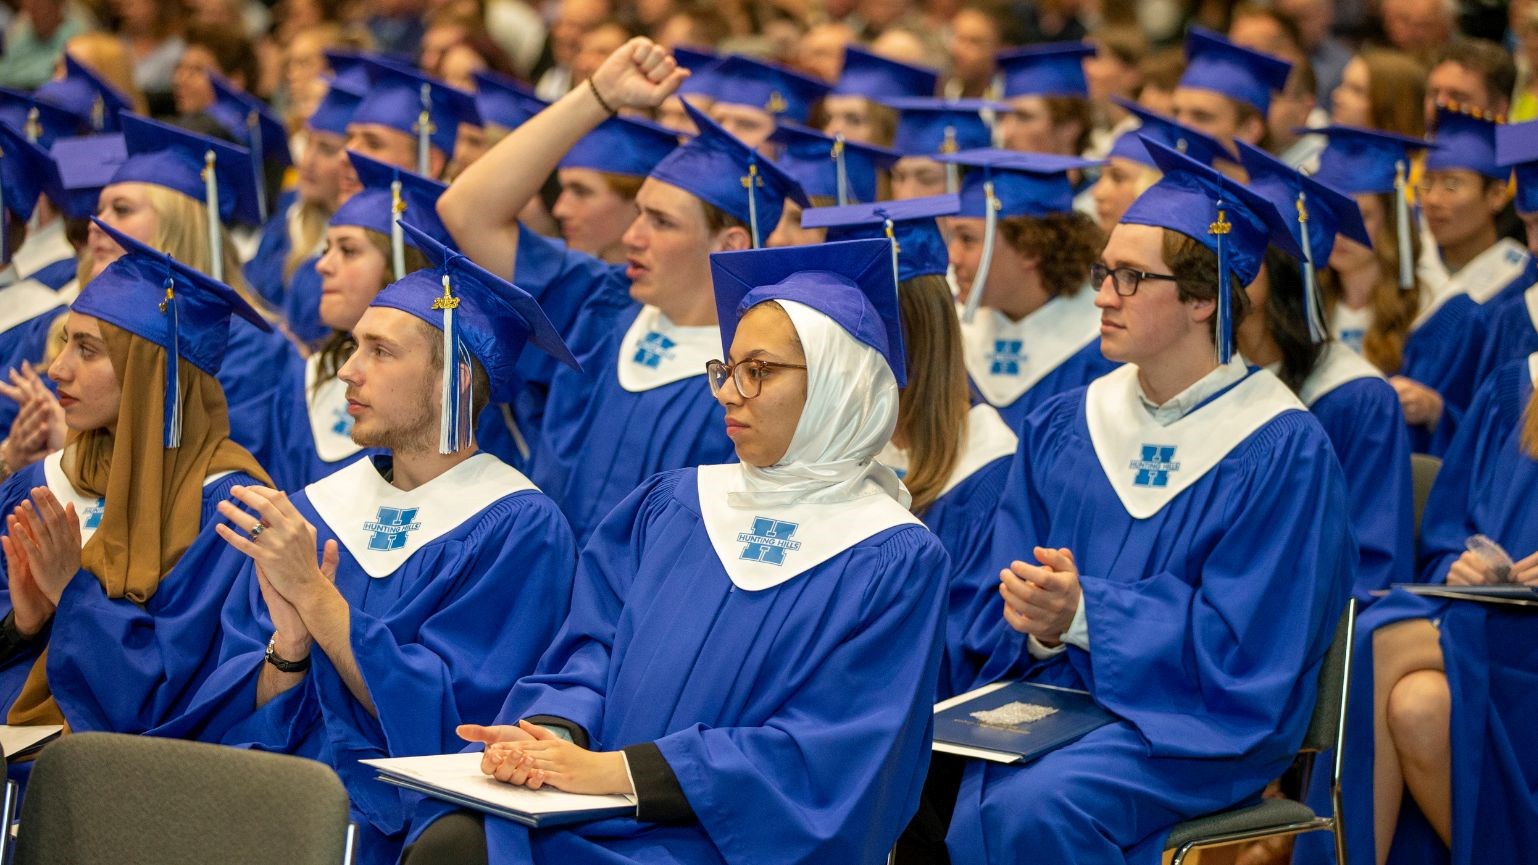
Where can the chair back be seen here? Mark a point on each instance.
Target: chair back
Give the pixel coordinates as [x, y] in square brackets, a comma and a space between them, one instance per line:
[1423, 474]
[1324, 727]
[98, 798]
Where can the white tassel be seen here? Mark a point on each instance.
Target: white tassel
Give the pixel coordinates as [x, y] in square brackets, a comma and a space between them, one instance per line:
[1310, 287]
[211, 201]
[841, 170]
[453, 422]
[397, 234]
[891, 234]
[751, 183]
[1402, 215]
[991, 207]
[424, 130]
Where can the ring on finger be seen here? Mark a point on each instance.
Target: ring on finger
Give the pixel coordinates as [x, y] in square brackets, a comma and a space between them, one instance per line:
[256, 531]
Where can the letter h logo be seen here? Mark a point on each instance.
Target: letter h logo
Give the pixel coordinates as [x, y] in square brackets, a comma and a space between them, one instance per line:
[1008, 354]
[1153, 469]
[769, 541]
[390, 531]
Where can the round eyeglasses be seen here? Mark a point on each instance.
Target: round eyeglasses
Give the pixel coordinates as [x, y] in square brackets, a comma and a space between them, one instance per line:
[748, 375]
[1124, 279]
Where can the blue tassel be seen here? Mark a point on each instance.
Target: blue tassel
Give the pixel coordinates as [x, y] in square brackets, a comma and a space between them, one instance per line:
[254, 132]
[841, 170]
[454, 422]
[1220, 230]
[1311, 311]
[171, 417]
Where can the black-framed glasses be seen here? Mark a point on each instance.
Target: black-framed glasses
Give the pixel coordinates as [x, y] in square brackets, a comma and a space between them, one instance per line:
[1124, 279]
[748, 374]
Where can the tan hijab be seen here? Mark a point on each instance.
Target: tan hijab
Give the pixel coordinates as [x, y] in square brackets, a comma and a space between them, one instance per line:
[154, 495]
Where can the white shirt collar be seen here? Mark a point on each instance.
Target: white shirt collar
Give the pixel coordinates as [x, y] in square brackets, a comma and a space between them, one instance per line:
[1199, 392]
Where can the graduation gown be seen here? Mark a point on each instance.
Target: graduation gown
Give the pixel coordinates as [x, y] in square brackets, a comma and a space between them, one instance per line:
[113, 665]
[254, 360]
[28, 309]
[795, 716]
[264, 272]
[1018, 365]
[47, 256]
[301, 302]
[1511, 332]
[1191, 540]
[1442, 352]
[455, 588]
[1360, 412]
[641, 406]
[306, 433]
[1490, 652]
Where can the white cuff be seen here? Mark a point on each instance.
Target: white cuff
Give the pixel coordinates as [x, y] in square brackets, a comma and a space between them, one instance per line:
[1078, 629]
[629, 777]
[1040, 652]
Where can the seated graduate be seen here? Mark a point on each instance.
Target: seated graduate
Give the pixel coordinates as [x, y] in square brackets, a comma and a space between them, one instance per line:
[928, 128]
[102, 632]
[1192, 548]
[1441, 751]
[1128, 170]
[1021, 253]
[599, 178]
[308, 430]
[1511, 330]
[950, 447]
[1352, 400]
[854, 108]
[1226, 89]
[750, 97]
[644, 331]
[752, 647]
[443, 572]
[829, 172]
[252, 124]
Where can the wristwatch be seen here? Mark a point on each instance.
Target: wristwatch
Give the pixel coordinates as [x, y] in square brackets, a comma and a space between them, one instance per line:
[273, 658]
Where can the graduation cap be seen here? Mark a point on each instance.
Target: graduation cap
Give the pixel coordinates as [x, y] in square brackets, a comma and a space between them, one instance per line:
[254, 125]
[351, 68]
[1004, 183]
[930, 127]
[1516, 146]
[622, 145]
[505, 101]
[850, 282]
[206, 169]
[1053, 69]
[694, 59]
[1242, 74]
[1221, 214]
[40, 122]
[481, 315]
[783, 93]
[1360, 161]
[389, 195]
[717, 167]
[86, 164]
[1465, 140]
[831, 167]
[26, 174]
[1315, 213]
[918, 247]
[876, 77]
[186, 312]
[86, 95]
[335, 109]
[416, 104]
[701, 64]
[1167, 131]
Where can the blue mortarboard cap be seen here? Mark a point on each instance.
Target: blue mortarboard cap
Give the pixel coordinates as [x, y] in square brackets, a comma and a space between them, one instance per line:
[40, 122]
[1465, 140]
[250, 121]
[505, 101]
[480, 314]
[622, 145]
[351, 68]
[1218, 212]
[1024, 184]
[168, 303]
[1315, 213]
[717, 167]
[1053, 69]
[876, 77]
[930, 127]
[694, 58]
[844, 171]
[1358, 161]
[377, 207]
[1244, 74]
[87, 95]
[26, 174]
[918, 244]
[739, 80]
[86, 164]
[416, 104]
[1167, 131]
[850, 282]
[335, 109]
[1516, 146]
[172, 157]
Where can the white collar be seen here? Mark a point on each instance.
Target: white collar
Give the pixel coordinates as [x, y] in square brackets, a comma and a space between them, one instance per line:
[1007, 358]
[44, 246]
[988, 438]
[1149, 464]
[1181, 404]
[1491, 270]
[1337, 365]
[761, 548]
[657, 352]
[383, 526]
[1530, 297]
[25, 300]
[88, 508]
[1349, 326]
[330, 424]
[1532, 367]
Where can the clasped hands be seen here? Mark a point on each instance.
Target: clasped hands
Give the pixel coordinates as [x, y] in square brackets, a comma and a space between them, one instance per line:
[38, 429]
[42, 555]
[1040, 600]
[1472, 569]
[529, 755]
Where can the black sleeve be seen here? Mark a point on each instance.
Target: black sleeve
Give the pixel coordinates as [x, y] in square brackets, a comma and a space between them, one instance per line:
[12, 643]
[578, 735]
[659, 798]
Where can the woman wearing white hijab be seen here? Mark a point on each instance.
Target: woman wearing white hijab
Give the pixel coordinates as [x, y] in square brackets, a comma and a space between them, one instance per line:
[752, 647]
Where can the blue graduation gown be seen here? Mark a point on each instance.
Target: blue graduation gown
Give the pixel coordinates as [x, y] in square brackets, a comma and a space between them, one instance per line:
[113, 665]
[600, 441]
[58, 274]
[285, 438]
[301, 302]
[27, 340]
[1211, 687]
[1485, 486]
[1086, 365]
[1510, 332]
[1443, 353]
[252, 363]
[796, 718]
[264, 272]
[438, 642]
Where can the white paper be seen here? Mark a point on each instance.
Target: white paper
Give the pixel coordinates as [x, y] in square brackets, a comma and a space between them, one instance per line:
[16, 740]
[461, 774]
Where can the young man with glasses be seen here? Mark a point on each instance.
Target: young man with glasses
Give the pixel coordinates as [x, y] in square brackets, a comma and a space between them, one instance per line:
[1174, 539]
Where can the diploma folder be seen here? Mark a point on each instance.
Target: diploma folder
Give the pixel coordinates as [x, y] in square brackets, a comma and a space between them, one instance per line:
[1507, 593]
[457, 778]
[19, 742]
[1015, 722]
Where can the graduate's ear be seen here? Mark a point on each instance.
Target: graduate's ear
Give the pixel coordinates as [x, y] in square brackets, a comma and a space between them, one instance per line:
[1201, 309]
[733, 238]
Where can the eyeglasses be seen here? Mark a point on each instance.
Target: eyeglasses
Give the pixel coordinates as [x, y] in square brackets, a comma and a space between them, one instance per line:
[748, 374]
[1124, 279]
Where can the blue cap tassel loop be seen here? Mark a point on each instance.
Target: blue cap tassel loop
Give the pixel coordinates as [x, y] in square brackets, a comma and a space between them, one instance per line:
[752, 183]
[841, 170]
[1220, 230]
